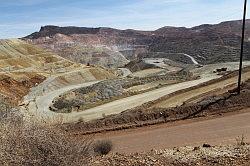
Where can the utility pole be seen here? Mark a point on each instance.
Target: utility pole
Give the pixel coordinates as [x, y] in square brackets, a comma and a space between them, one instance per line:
[242, 45]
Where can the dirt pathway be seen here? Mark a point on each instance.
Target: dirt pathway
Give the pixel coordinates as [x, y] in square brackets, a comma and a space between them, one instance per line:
[120, 105]
[213, 131]
[182, 97]
[39, 106]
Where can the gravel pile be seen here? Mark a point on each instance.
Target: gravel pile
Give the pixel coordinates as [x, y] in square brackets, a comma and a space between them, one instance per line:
[184, 156]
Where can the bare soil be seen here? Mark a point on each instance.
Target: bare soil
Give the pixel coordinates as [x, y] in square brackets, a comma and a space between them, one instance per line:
[233, 155]
[146, 115]
[14, 90]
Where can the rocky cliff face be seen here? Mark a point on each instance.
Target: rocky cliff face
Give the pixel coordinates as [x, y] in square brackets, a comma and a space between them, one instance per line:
[113, 48]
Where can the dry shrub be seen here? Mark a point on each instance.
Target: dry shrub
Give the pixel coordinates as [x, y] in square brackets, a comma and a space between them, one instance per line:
[240, 140]
[30, 144]
[103, 147]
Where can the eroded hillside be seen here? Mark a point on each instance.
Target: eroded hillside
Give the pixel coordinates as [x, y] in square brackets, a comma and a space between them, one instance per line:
[113, 48]
[24, 66]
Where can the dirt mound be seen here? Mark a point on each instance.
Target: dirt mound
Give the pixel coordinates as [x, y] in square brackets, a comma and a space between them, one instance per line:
[138, 65]
[183, 156]
[110, 90]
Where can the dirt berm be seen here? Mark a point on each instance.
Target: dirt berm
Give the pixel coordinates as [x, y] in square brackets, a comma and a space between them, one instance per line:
[142, 116]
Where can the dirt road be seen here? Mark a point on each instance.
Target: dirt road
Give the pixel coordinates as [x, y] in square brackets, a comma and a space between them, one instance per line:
[41, 103]
[39, 106]
[213, 131]
[183, 97]
[192, 59]
[120, 105]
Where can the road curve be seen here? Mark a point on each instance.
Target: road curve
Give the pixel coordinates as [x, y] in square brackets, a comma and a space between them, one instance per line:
[120, 105]
[192, 59]
[222, 130]
[38, 108]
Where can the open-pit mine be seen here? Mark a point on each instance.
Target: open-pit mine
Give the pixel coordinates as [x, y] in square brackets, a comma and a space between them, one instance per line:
[114, 83]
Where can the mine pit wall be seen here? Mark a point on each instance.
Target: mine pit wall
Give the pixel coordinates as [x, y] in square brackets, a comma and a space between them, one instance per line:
[74, 78]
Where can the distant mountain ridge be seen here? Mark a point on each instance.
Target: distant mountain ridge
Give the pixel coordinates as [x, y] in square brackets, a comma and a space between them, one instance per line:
[207, 43]
[50, 30]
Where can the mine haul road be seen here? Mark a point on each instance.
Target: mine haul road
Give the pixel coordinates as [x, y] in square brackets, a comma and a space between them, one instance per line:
[193, 132]
[118, 106]
[121, 105]
[40, 105]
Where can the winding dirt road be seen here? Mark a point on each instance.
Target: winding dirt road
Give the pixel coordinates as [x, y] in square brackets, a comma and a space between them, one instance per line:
[178, 99]
[39, 106]
[120, 105]
[191, 132]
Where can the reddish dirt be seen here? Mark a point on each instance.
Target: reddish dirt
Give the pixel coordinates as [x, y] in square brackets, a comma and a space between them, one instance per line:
[14, 90]
[222, 130]
[215, 120]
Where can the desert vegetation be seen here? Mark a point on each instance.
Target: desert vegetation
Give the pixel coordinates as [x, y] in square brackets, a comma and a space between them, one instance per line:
[103, 147]
[33, 144]
[182, 156]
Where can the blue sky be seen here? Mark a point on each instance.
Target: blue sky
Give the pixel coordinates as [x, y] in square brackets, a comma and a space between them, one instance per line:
[22, 17]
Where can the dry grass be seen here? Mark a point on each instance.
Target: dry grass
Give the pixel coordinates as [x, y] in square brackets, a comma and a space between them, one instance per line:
[240, 140]
[30, 144]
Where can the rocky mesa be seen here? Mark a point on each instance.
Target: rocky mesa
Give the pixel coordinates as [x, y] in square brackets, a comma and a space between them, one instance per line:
[114, 48]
